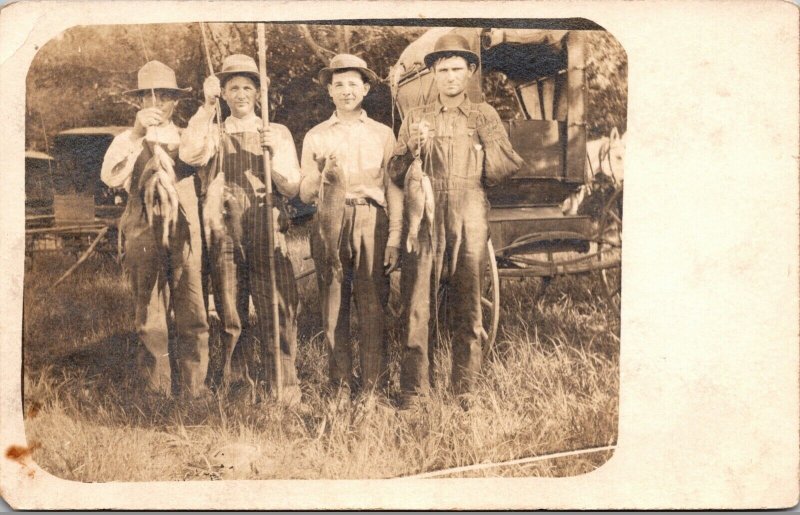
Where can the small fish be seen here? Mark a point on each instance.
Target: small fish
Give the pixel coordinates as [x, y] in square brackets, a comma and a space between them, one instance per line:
[419, 203]
[213, 209]
[233, 219]
[331, 215]
[160, 195]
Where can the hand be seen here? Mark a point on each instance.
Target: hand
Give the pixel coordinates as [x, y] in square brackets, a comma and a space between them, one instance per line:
[391, 259]
[147, 117]
[269, 138]
[330, 173]
[419, 133]
[211, 90]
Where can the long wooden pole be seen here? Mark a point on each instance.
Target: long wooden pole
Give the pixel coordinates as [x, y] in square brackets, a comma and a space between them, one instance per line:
[276, 340]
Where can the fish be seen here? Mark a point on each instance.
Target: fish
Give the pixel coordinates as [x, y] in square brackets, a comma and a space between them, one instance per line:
[233, 220]
[419, 204]
[213, 209]
[330, 217]
[160, 195]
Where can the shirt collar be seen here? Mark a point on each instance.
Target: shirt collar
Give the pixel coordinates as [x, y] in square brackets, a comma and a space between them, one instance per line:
[250, 123]
[464, 106]
[333, 120]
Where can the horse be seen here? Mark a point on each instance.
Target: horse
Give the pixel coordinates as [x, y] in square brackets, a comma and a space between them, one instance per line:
[605, 168]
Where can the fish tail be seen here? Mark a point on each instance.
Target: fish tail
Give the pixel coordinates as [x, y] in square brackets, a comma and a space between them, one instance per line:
[412, 243]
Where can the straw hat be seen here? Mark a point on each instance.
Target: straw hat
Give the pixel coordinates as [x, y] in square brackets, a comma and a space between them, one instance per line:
[449, 45]
[156, 75]
[238, 64]
[342, 62]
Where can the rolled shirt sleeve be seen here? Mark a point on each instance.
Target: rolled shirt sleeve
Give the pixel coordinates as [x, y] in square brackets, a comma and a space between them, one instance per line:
[310, 169]
[119, 160]
[500, 161]
[199, 138]
[285, 167]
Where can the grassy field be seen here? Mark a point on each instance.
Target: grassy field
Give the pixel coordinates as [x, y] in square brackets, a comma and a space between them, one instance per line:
[551, 385]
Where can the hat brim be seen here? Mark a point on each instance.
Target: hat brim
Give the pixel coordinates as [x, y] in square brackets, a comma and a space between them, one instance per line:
[470, 57]
[146, 91]
[223, 76]
[325, 74]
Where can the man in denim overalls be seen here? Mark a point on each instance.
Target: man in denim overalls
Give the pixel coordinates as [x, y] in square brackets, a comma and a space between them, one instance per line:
[464, 149]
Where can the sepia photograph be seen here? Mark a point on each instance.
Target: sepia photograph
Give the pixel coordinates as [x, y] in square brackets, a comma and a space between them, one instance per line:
[423, 222]
[369, 255]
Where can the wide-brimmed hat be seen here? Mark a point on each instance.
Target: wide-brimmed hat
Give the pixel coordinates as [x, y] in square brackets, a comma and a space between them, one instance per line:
[343, 62]
[451, 44]
[238, 64]
[156, 75]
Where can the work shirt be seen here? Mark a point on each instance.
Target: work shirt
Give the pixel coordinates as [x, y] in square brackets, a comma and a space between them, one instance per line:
[469, 146]
[124, 151]
[363, 149]
[200, 140]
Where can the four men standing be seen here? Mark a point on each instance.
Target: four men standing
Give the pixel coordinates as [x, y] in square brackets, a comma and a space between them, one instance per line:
[464, 147]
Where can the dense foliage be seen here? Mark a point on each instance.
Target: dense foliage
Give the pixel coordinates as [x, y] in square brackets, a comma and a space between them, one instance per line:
[78, 78]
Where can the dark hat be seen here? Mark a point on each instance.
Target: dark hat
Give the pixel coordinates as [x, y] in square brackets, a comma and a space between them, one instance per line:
[238, 64]
[342, 62]
[449, 45]
[156, 75]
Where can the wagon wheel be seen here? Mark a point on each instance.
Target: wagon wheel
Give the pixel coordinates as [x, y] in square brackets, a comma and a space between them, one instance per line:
[609, 246]
[490, 299]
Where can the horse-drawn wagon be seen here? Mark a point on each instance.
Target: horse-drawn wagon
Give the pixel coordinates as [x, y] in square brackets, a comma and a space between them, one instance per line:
[68, 210]
[536, 226]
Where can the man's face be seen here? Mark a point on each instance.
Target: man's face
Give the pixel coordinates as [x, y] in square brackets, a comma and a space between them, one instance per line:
[452, 75]
[240, 95]
[163, 100]
[347, 89]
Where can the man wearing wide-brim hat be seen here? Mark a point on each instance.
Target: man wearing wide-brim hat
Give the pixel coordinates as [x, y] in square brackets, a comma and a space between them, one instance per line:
[234, 208]
[161, 275]
[465, 149]
[370, 227]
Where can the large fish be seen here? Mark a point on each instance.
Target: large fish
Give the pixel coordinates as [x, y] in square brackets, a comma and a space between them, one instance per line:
[419, 203]
[160, 195]
[330, 217]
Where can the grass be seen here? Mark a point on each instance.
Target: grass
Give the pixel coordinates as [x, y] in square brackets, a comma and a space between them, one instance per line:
[550, 385]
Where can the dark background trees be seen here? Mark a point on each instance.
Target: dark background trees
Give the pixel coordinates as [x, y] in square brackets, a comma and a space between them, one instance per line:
[78, 78]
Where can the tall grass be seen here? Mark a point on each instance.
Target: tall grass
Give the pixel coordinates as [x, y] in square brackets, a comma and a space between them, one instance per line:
[550, 384]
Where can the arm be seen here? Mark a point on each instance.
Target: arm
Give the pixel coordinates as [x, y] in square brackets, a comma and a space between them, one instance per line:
[394, 194]
[402, 154]
[309, 170]
[119, 160]
[285, 168]
[500, 160]
[199, 138]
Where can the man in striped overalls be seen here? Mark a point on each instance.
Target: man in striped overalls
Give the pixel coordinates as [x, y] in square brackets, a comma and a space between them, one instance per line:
[238, 246]
[161, 277]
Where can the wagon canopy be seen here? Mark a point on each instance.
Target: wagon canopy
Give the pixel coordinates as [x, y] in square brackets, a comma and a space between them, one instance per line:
[523, 55]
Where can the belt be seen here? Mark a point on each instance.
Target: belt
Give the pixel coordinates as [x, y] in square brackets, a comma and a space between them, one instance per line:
[364, 201]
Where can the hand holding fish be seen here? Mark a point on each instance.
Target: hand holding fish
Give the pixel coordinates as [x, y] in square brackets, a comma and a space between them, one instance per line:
[147, 117]
[391, 259]
[418, 135]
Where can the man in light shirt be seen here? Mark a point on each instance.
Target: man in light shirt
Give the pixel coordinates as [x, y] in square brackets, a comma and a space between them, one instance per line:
[156, 273]
[240, 268]
[371, 226]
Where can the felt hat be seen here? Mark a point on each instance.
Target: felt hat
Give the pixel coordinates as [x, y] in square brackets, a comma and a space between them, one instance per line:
[239, 64]
[156, 75]
[343, 62]
[449, 45]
